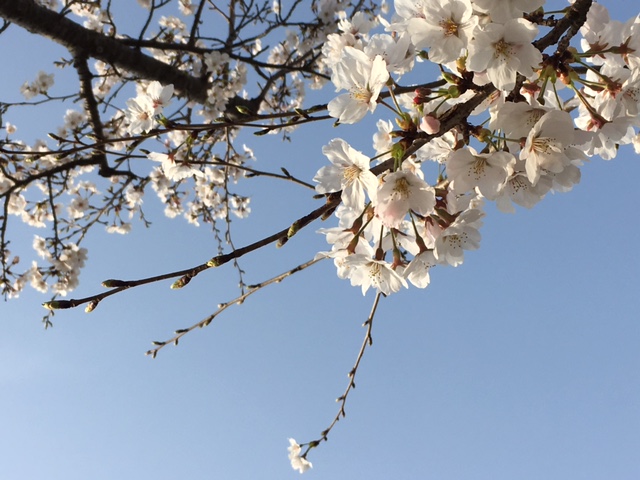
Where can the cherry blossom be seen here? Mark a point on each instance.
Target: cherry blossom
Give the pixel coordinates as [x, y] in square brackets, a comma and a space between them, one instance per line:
[463, 234]
[175, 167]
[349, 173]
[417, 272]
[487, 171]
[298, 463]
[503, 51]
[159, 95]
[445, 28]
[364, 78]
[402, 192]
[521, 191]
[547, 144]
[502, 11]
[368, 272]
[40, 86]
[140, 114]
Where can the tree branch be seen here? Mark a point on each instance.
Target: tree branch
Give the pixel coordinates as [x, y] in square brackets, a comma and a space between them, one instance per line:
[342, 399]
[42, 21]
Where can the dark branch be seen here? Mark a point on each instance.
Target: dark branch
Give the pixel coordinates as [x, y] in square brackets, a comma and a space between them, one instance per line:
[42, 21]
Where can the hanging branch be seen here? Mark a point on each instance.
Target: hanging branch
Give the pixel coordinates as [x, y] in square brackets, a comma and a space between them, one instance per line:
[342, 399]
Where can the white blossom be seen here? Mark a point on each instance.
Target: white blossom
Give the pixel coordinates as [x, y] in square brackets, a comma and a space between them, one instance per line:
[445, 28]
[468, 169]
[364, 78]
[502, 11]
[174, 167]
[503, 51]
[547, 145]
[140, 114]
[368, 272]
[400, 193]
[297, 462]
[454, 240]
[349, 174]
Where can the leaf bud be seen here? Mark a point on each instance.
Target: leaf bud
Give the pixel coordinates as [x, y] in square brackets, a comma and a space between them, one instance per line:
[281, 242]
[91, 306]
[58, 304]
[182, 282]
[214, 262]
[293, 229]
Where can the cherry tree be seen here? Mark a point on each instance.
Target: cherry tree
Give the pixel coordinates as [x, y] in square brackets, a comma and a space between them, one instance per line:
[474, 101]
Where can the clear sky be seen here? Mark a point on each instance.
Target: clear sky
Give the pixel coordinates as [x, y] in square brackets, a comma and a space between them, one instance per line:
[523, 363]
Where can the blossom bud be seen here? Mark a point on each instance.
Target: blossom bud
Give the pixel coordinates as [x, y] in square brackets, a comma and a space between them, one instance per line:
[397, 151]
[422, 92]
[483, 134]
[243, 110]
[430, 124]
[450, 78]
[405, 122]
[192, 137]
[453, 91]
[422, 95]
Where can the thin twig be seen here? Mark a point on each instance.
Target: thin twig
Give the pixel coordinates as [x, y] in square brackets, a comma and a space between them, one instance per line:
[223, 306]
[342, 399]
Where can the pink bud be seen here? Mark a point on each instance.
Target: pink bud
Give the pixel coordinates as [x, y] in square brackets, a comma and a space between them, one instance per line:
[430, 124]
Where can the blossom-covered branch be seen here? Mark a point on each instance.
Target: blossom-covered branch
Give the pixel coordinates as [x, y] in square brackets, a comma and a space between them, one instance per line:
[519, 98]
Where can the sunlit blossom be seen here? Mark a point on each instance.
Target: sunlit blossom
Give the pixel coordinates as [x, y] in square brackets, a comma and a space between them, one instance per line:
[364, 78]
[348, 173]
[298, 462]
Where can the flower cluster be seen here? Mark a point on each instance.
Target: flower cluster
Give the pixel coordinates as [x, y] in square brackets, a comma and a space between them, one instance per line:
[40, 86]
[508, 120]
[393, 225]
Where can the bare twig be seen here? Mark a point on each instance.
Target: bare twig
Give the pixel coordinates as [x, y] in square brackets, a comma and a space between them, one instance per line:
[342, 399]
[223, 306]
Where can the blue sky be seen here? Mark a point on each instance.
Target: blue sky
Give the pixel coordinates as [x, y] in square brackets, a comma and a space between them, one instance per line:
[521, 363]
